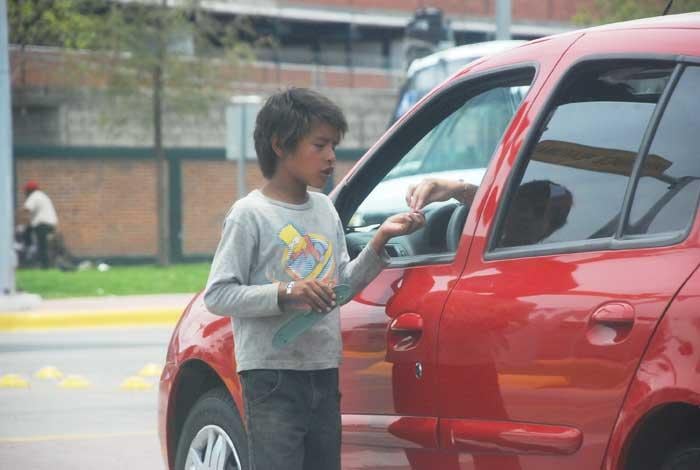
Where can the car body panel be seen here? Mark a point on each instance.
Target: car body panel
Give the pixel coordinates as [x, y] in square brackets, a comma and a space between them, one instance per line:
[381, 396]
[517, 340]
[202, 337]
[669, 371]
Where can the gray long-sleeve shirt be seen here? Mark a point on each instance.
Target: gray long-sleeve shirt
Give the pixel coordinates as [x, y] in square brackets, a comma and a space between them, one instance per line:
[265, 242]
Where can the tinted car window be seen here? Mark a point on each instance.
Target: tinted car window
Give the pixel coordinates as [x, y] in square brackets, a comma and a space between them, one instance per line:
[667, 193]
[577, 173]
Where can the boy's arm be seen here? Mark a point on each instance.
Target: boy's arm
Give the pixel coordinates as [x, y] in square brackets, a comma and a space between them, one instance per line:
[228, 291]
[365, 267]
[373, 258]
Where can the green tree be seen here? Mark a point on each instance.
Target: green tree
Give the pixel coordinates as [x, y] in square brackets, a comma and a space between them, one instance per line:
[47, 22]
[175, 53]
[610, 11]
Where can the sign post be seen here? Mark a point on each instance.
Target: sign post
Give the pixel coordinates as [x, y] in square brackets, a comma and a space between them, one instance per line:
[9, 299]
[240, 124]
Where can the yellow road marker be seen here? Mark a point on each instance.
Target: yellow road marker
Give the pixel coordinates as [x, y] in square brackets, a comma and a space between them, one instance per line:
[48, 372]
[135, 383]
[151, 370]
[74, 381]
[20, 321]
[13, 381]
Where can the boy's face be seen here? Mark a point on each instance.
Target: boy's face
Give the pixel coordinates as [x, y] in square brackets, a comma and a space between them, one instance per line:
[312, 161]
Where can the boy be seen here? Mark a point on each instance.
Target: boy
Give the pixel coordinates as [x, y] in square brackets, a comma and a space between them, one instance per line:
[283, 246]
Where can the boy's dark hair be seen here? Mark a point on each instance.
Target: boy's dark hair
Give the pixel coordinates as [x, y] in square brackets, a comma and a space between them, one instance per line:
[288, 116]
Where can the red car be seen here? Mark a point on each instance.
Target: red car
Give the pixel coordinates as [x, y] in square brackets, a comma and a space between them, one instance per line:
[554, 323]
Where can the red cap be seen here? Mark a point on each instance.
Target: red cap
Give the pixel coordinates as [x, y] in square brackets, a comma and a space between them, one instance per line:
[31, 185]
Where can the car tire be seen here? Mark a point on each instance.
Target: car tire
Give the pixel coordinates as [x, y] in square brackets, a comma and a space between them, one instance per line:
[213, 423]
[684, 457]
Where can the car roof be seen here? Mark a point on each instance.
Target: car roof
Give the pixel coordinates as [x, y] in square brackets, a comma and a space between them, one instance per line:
[680, 21]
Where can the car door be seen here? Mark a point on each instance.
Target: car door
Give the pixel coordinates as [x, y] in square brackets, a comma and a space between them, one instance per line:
[388, 375]
[573, 264]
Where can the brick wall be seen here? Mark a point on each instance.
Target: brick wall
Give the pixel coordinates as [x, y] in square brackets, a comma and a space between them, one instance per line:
[523, 10]
[209, 188]
[54, 68]
[107, 206]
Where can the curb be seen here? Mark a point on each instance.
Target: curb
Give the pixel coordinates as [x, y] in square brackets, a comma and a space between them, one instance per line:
[18, 321]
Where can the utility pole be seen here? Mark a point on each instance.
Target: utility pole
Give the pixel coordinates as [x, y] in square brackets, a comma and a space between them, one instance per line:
[9, 299]
[7, 222]
[503, 12]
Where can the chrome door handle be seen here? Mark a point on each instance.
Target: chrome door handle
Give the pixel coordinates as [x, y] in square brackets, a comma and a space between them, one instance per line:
[614, 314]
[407, 323]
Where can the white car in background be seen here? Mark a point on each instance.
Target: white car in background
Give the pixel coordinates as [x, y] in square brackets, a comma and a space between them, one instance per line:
[427, 72]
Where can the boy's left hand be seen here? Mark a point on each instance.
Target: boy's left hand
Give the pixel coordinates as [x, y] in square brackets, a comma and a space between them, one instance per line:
[401, 224]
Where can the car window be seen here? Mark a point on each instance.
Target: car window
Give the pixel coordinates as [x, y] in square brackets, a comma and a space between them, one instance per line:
[666, 196]
[576, 175]
[460, 146]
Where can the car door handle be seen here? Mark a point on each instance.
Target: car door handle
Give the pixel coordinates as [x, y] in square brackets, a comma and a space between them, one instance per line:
[405, 332]
[614, 314]
[407, 323]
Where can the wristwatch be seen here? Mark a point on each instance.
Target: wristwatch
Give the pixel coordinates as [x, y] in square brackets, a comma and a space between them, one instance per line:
[290, 286]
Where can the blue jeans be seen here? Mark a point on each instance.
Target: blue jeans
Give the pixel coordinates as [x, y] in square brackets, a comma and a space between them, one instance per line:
[293, 419]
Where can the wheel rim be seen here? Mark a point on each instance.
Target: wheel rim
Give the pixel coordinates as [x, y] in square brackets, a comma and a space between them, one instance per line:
[212, 449]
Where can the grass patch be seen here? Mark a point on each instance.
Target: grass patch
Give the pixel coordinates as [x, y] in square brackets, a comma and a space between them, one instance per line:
[118, 280]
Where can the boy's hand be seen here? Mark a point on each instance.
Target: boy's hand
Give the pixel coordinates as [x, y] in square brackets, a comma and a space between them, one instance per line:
[398, 224]
[317, 295]
[401, 224]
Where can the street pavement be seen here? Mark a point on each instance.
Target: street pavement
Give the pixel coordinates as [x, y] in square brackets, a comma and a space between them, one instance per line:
[79, 380]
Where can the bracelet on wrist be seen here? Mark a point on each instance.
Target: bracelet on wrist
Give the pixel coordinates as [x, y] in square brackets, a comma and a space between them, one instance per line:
[288, 289]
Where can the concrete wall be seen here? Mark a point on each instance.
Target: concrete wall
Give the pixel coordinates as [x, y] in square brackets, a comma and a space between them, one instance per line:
[49, 111]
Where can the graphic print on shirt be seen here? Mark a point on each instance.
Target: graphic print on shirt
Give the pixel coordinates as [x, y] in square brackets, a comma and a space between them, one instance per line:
[308, 256]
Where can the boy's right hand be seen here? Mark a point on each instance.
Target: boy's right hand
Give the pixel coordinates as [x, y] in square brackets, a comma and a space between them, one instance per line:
[317, 295]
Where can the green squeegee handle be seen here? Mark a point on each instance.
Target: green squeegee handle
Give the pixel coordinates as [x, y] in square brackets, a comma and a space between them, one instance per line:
[302, 321]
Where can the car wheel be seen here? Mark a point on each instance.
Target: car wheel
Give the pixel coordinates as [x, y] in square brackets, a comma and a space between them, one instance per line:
[685, 457]
[213, 437]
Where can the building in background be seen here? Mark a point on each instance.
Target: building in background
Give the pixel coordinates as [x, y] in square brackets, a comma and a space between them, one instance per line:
[354, 51]
[341, 47]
